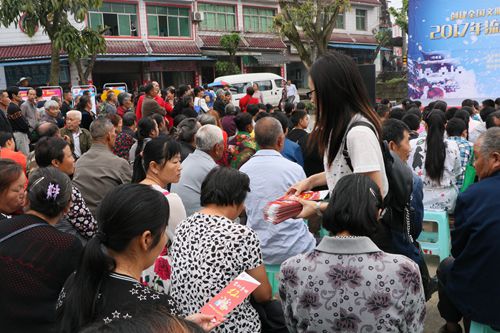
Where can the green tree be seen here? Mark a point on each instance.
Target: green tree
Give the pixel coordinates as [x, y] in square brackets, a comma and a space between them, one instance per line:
[230, 44]
[54, 17]
[308, 25]
[401, 16]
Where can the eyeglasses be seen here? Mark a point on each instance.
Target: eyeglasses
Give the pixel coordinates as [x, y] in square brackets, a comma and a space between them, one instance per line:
[309, 94]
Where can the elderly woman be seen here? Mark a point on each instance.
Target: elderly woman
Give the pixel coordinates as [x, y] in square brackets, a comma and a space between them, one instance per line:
[105, 286]
[80, 138]
[124, 103]
[12, 188]
[36, 258]
[51, 112]
[210, 250]
[186, 131]
[55, 152]
[347, 284]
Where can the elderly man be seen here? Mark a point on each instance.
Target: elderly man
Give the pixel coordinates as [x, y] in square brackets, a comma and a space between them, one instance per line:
[51, 112]
[468, 281]
[98, 171]
[80, 138]
[271, 175]
[30, 111]
[209, 149]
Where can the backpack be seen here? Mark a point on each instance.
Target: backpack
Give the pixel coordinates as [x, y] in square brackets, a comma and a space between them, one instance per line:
[397, 209]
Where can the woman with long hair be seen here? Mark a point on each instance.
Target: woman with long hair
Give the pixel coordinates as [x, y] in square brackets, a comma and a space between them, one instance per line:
[161, 161]
[147, 129]
[347, 129]
[348, 284]
[436, 160]
[106, 285]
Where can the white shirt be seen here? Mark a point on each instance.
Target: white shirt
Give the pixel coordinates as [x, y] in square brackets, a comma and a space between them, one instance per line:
[365, 153]
[76, 140]
[200, 101]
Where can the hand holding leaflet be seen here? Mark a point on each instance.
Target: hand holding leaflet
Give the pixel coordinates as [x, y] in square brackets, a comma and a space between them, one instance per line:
[288, 206]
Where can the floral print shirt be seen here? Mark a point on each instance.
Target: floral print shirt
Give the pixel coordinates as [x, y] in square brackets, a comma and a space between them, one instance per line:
[241, 149]
[347, 284]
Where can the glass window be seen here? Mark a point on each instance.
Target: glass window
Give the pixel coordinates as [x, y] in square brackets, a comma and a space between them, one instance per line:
[218, 17]
[361, 19]
[258, 19]
[153, 25]
[172, 21]
[340, 21]
[265, 85]
[120, 18]
[279, 83]
[240, 88]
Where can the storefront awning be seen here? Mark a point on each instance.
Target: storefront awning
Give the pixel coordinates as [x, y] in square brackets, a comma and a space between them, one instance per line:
[355, 46]
[28, 62]
[152, 59]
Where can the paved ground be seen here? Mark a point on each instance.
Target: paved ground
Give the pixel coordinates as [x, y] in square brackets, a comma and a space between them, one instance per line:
[433, 321]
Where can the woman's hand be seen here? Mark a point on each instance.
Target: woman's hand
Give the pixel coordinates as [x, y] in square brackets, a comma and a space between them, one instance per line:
[298, 188]
[206, 322]
[308, 208]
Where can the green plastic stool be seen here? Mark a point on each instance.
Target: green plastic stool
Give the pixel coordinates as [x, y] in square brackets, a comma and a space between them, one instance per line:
[480, 328]
[272, 272]
[470, 175]
[436, 243]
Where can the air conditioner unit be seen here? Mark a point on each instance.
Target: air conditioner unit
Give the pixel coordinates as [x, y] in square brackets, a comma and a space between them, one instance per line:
[198, 16]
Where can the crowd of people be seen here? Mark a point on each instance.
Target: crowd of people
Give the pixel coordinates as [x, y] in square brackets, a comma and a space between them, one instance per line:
[133, 216]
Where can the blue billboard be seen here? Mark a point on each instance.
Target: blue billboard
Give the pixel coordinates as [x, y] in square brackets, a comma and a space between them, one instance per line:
[453, 50]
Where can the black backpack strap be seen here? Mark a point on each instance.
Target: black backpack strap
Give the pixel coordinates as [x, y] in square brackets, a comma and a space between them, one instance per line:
[17, 232]
[345, 152]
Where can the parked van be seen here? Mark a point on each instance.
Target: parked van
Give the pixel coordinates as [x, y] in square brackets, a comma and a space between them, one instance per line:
[271, 86]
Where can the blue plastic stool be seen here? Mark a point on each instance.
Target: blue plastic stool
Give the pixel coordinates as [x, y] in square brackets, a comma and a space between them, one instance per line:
[436, 243]
[480, 328]
[272, 275]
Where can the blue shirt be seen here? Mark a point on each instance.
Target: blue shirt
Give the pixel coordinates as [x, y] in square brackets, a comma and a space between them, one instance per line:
[270, 177]
[194, 170]
[292, 152]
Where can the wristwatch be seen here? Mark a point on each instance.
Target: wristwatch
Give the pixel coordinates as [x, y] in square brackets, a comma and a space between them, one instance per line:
[318, 208]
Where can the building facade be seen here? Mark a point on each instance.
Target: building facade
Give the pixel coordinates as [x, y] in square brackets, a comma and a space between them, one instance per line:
[177, 42]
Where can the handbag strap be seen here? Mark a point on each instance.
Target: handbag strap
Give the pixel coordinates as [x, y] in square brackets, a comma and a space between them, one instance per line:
[17, 232]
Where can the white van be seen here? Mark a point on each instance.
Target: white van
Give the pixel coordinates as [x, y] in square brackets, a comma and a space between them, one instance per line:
[271, 86]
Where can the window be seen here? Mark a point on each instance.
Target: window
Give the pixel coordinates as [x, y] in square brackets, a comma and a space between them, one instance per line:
[258, 19]
[119, 18]
[279, 83]
[218, 17]
[240, 88]
[168, 21]
[265, 85]
[340, 21]
[361, 19]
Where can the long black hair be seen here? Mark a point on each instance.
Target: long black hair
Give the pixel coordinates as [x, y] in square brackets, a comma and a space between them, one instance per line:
[340, 95]
[144, 129]
[126, 212]
[353, 206]
[159, 150]
[436, 147]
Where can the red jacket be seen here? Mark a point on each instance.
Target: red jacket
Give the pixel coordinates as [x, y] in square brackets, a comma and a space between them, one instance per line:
[138, 109]
[247, 100]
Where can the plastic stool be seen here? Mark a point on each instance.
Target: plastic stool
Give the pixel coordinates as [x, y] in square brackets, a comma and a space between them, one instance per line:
[436, 243]
[480, 328]
[272, 272]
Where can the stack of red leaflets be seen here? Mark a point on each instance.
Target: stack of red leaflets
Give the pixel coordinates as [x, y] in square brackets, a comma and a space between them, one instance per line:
[288, 206]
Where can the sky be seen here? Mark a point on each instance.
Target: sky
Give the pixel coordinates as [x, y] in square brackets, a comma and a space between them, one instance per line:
[395, 3]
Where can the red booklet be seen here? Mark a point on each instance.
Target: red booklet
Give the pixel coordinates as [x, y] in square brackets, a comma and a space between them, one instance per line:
[288, 206]
[231, 296]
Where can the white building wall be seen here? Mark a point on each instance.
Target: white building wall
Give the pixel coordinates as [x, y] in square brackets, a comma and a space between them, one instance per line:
[372, 20]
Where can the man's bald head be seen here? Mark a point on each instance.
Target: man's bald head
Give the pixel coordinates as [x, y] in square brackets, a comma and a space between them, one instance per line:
[268, 133]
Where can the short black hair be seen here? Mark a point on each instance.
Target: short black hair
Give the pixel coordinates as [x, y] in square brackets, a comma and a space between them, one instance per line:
[382, 110]
[197, 90]
[250, 91]
[242, 120]
[282, 118]
[12, 90]
[261, 106]
[418, 103]
[412, 121]
[394, 130]
[48, 149]
[39, 92]
[297, 116]
[468, 102]
[148, 87]
[385, 101]
[490, 122]
[288, 108]
[441, 105]
[253, 109]
[353, 206]
[300, 106]
[455, 127]
[224, 187]
[4, 137]
[468, 109]
[416, 111]
[450, 113]
[129, 119]
[397, 113]
[485, 112]
[497, 101]
[488, 102]
[261, 115]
